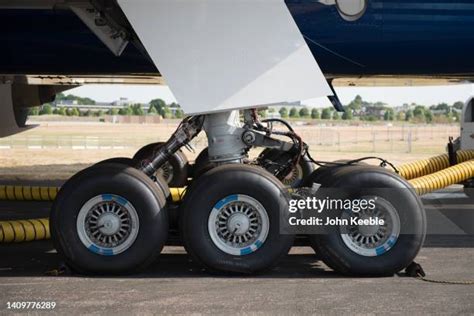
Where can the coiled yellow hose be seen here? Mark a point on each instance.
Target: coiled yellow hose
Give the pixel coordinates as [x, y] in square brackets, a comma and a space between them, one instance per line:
[24, 230]
[444, 178]
[424, 167]
[425, 176]
[28, 193]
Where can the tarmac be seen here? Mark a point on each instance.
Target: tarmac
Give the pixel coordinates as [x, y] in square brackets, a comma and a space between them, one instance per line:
[299, 284]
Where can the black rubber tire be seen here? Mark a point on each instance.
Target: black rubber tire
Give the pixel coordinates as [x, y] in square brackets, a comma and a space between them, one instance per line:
[21, 116]
[363, 179]
[158, 179]
[110, 178]
[212, 187]
[178, 161]
[323, 174]
[202, 164]
[307, 167]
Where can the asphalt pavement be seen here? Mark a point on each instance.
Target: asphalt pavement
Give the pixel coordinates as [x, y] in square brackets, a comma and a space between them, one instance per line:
[299, 284]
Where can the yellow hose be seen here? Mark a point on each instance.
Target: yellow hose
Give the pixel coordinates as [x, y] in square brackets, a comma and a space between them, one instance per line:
[444, 178]
[440, 175]
[424, 167]
[24, 230]
[27, 193]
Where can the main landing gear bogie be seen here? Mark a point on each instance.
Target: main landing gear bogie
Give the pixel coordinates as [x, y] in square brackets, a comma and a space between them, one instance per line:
[113, 218]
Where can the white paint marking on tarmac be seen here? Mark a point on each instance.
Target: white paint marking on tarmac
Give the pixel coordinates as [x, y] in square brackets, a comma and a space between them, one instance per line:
[445, 195]
[449, 207]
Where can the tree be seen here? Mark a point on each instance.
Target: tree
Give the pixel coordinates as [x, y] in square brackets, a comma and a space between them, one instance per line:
[159, 105]
[419, 112]
[315, 114]
[326, 114]
[113, 112]
[167, 112]
[347, 115]
[401, 116]
[408, 115]
[442, 107]
[61, 111]
[283, 112]
[179, 114]
[88, 113]
[126, 111]
[336, 115]
[99, 113]
[455, 116]
[46, 109]
[293, 112]
[458, 105]
[428, 116]
[304, 112]
[138, 110]
[356, 104]
[389, 115]
[152, 111]
[33, 110]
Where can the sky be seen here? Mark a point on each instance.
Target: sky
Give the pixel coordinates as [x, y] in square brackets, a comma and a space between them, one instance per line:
[393, 96]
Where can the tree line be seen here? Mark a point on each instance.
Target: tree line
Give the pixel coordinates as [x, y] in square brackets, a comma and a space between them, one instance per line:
[366, 111]
[156, 107]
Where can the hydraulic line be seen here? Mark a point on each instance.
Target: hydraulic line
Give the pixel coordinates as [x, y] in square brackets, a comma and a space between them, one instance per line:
[24, 230]
[444, 178]
[424, 167]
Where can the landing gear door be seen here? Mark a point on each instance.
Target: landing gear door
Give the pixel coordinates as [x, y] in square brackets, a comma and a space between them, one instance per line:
[220, 55]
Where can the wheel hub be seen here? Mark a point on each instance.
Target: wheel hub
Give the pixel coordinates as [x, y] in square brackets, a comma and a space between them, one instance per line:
[107, 224]
[238, 225]
[372, 240]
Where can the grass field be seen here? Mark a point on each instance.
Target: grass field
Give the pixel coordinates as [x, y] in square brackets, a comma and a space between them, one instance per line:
[56, 150]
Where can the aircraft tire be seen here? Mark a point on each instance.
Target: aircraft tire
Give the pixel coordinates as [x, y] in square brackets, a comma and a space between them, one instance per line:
[109, 219]
[304, 168]
[250, 201]
[385, 250]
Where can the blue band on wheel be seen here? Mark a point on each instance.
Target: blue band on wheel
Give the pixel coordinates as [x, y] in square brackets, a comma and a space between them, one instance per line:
[225, 200]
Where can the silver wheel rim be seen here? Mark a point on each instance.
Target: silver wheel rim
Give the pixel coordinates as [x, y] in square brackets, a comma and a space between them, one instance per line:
[166, 171]
[238, 225]
[294, 177]
[107, 224]
[372, 240]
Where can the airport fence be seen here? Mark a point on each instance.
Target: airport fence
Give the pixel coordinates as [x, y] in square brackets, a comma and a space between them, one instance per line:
[403, 139]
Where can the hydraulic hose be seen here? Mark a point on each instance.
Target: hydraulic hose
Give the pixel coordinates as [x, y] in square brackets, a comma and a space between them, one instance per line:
[424, 167]
[24, 230]
[444, 178]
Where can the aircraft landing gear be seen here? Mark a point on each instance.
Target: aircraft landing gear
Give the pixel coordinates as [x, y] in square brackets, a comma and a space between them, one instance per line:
[112, 218]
